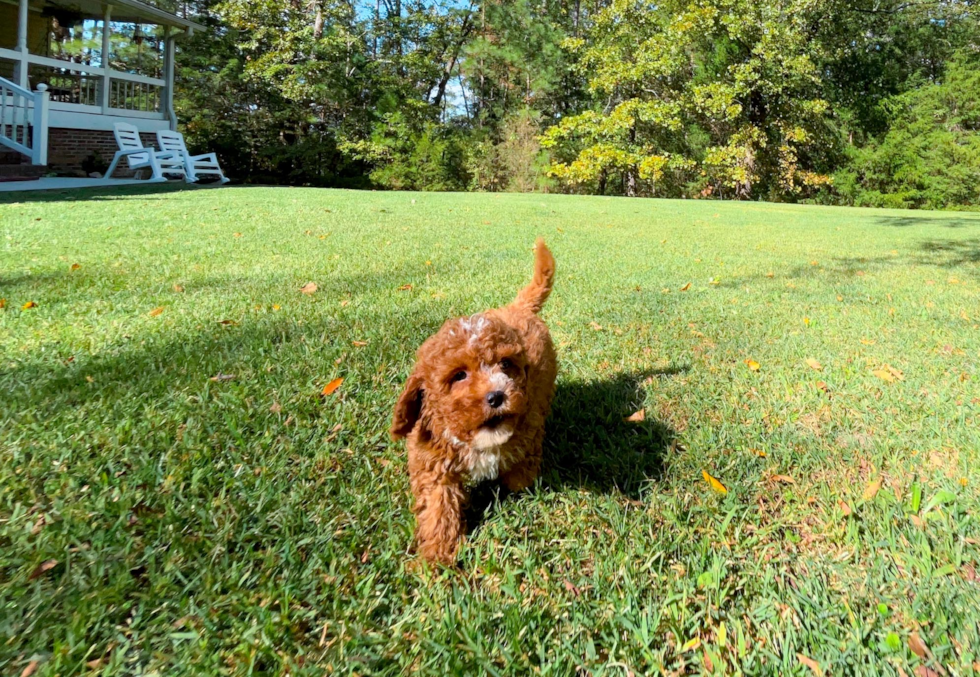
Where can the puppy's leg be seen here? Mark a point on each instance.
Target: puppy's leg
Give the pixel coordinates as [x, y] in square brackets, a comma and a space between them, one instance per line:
[439, 502]
[522, 475]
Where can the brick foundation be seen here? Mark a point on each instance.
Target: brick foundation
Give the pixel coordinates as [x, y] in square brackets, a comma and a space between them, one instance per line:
[68, 148]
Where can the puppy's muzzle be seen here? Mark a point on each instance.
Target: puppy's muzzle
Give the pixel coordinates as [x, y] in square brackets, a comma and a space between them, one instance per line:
[496, 398]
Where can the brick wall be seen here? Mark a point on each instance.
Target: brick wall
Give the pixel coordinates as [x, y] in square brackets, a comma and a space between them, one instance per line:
[68, 148]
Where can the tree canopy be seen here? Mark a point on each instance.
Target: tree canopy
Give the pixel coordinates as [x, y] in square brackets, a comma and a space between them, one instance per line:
[861, 102]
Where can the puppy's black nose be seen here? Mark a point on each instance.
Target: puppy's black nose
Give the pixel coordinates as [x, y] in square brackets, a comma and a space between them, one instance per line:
[496, 398]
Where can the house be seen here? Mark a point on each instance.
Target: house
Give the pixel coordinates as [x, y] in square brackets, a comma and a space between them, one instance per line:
[70, 69]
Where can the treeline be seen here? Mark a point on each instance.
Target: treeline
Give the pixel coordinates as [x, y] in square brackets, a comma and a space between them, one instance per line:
[865, 102]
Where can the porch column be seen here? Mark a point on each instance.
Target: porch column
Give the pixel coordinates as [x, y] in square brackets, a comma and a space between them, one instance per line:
[106, 32]
[22, 65]
[168, 69]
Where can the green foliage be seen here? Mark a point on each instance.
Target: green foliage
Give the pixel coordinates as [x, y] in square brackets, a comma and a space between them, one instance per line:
[930, 155]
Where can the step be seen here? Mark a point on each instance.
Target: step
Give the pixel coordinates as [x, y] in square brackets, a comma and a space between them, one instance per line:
[22, 171]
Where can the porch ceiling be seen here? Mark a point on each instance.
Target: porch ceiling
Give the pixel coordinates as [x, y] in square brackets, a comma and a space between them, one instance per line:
[122, 10]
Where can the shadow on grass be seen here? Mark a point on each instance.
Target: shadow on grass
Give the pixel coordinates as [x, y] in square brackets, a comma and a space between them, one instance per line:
[99, 193]
[589, 444]
[949, 253]
[933, 219]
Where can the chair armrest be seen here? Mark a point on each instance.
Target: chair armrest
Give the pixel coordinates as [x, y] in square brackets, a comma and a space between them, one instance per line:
[166, 154]
[133, 151]
[203, 156]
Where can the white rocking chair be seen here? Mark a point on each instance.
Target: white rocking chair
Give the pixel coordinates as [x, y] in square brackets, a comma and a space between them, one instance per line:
[194, 165]
[139, 157]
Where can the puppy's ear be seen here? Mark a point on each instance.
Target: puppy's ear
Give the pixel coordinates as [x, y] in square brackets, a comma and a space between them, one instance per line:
[409, 407]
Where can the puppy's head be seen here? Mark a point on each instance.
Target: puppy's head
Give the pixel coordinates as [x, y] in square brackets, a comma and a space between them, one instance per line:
[469, 385]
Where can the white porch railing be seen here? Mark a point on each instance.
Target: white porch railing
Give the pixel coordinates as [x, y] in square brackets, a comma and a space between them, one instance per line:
[112, 91]
[24, 120]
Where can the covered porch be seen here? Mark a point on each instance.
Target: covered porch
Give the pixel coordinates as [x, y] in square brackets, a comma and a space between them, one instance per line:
[70, 69]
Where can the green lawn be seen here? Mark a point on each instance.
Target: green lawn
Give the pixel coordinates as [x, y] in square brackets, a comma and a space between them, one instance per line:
[176, 497]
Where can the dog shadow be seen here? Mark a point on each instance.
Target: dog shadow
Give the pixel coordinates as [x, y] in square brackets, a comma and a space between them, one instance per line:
[590, 445]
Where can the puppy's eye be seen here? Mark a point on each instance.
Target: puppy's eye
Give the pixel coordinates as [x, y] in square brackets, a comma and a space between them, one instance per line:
[506, 364]
[458, 376]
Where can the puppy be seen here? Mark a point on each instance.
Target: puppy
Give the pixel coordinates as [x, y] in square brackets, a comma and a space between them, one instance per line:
[474, 409]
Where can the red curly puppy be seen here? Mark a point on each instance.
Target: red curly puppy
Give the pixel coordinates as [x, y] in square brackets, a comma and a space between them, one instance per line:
[474, 408]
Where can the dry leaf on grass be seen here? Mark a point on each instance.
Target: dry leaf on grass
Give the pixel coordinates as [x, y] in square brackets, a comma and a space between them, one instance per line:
[571, 588]
[29, 670]
[784, 479]
[810, 663]
[686, 287]
[822, 385]
[156, 311]
[636, 417]
[221, 378]
[917, 646]
[844, 508]
[359, 344]
[309, 288]
[28, 305]
[46, 565]
[3, 303]
[275, 408]
[75, 266]
[813, 364]
[226, 322]
[405, 287]
[595, 326]
[753, 365]
[178, 289]
[331, 387]
[871, 490]
[714, 483]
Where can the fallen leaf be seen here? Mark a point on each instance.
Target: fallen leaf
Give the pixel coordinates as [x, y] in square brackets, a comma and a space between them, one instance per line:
[359, 344]
[785, 479]
[758, 452]
[916, 521]
[428, 263]
[884, 375]
[238, 234]
[405, 287]
[917, 646]
[752, 364]
[331, 387]
[90, 379]
[178, 289]
[714, 483]
[221, 378]
[226, 322]
[822, 385]
[844, 508]
[923, 671]
[571, 588]
[686, 287]
[28, 305]
[156, 311]
[75, 266]
[708, 665]
[867, 342]
[3, 303]
[29, 670]
[637, 416]
[813, 364]
[810, 663]
[691, 644]
[344, 303]
[276, 306]
[94, 664]
[596, 326]
[366, 556]
[275, 408]
[770, 274]
[871, 490]
[894, 372]
[309, 288]
[46, 565]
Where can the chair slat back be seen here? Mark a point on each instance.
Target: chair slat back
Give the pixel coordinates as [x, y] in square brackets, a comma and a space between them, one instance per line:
[171, 141]
[128, 138]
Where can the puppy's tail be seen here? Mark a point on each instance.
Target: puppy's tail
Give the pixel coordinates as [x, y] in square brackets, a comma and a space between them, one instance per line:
[533, 296]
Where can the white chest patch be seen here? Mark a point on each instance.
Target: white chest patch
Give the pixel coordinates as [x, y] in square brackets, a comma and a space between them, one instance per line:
[484, 465]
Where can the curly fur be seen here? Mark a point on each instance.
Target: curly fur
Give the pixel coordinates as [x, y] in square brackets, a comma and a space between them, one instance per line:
[456, 438]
